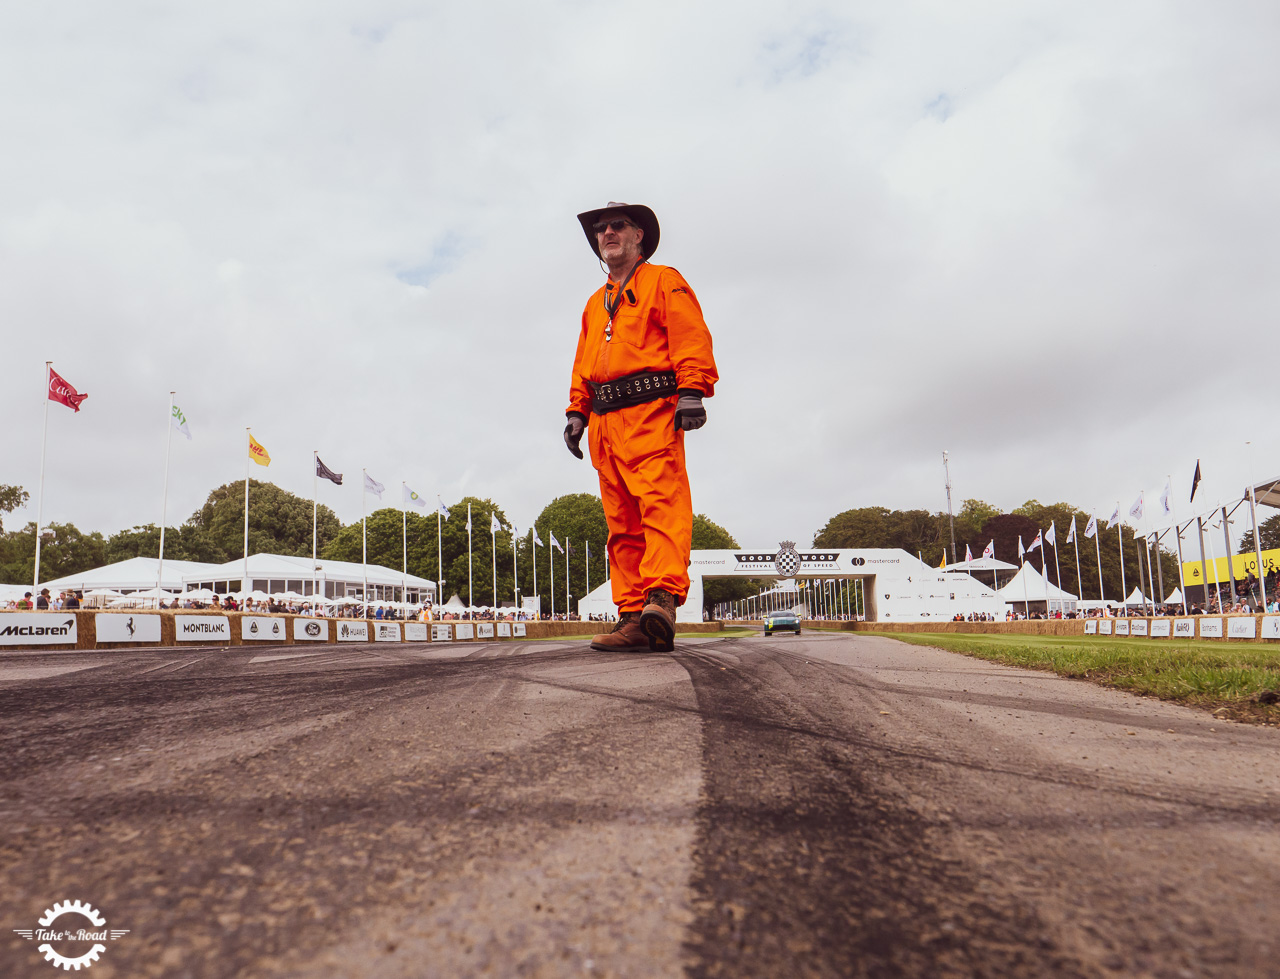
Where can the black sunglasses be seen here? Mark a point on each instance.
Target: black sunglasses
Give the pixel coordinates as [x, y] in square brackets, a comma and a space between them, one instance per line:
[617, 224]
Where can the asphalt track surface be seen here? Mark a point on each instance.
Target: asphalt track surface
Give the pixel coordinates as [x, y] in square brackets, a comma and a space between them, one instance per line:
[816, 806]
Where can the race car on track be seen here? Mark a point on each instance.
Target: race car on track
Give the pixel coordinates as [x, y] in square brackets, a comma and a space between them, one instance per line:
[781, 622]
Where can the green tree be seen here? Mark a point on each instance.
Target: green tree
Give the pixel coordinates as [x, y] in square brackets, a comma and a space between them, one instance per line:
[1270, 535]
[11, 497]
[577, 518]
[64, 550]
[279, 521]
[915, 531]
[710, 536]
[185, 543]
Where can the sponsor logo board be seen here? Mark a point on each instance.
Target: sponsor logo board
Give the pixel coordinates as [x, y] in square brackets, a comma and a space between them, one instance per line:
[504, 629]
[387, 632]
[1122, 627]
[484, 630]
[261, 627]
[441, 632]
[1185, 628]
[1104, 627]
[310, 630]
[202, 628]
[66, 943]
[1160, 628]
[126, 627]
[1211, 628]
[1271, 627]
[464, 630]
[1138, 627]
[518, 629]
[1091, 627]
[37, 628]
[1242, 627]
[357, 631]
[415, 632]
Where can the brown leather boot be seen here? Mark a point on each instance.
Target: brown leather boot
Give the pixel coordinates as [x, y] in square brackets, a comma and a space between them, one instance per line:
[626, 637]
[658, 620]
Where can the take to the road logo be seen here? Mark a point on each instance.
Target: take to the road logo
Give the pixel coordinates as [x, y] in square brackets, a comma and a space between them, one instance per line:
[64, 937]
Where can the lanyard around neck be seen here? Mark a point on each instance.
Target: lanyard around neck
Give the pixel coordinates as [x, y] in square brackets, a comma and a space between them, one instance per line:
[611, 309]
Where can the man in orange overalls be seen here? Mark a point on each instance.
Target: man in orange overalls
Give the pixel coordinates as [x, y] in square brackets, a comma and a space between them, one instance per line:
[642, 368]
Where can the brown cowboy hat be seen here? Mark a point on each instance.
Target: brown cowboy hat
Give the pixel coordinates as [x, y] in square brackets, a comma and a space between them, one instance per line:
[643, 217]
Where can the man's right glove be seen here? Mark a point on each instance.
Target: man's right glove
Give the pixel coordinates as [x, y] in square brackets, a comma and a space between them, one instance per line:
[573, 432]
[689, 411]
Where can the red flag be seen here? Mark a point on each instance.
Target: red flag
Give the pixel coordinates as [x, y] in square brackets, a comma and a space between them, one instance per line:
[63, 393]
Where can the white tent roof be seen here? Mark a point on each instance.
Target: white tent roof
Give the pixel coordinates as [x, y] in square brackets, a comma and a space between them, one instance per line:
[284, 567]
[980, 564]
[11, 593]
[455, 602]
[134, 574]
[1174, 597]
[1038, 589]
[598, 602]
[1136, 598]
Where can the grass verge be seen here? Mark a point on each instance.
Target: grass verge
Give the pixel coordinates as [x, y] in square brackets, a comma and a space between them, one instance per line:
[1224, 677]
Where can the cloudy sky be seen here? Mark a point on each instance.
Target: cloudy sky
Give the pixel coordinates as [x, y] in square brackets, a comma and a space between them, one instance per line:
[1041, 236]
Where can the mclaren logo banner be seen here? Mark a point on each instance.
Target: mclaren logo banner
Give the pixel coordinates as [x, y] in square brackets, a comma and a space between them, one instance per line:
[37, 629]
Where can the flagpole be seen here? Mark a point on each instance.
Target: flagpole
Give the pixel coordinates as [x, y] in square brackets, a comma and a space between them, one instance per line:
[364, 536]
[1149, 577]
[551, 574]
[1257, 547]
[1075, 539]
[587, 590]
[1182, 581]
[245, 584]
[566, 579]
[164, 506]
[1141, 583]
[1057, 565]
[439, 553]
[1204, 566]
[469, 578]
[315, 508]
[533, 543]
[404, 540]
[493, 553]
[1124, 588]
[515, 573]
[44, 442]
[1226, 549]
[1097, 546]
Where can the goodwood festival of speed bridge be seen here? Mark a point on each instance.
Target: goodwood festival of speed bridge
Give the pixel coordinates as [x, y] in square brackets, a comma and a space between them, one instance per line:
[822, 805]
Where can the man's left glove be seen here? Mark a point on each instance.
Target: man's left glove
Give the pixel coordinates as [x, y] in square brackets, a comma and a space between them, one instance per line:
[689, 411]
[573, 432]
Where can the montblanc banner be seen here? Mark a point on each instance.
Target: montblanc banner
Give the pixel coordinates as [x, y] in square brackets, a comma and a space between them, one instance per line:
[37, 629]
[202, 628]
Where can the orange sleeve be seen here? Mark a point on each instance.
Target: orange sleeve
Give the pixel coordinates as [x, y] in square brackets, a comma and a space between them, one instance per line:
[579, 389]
[688, 339]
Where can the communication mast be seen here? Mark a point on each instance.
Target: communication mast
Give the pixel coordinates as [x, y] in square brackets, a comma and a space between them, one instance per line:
[946, 468]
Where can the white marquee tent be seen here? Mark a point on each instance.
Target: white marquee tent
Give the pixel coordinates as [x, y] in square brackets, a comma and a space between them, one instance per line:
[1028, 585]
[135, 574]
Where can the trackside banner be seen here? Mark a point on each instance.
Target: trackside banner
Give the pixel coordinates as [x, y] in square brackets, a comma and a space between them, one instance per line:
[202, 628]
[37, 629]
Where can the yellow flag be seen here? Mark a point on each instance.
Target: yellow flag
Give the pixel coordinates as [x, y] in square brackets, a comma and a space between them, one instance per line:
[258, 453]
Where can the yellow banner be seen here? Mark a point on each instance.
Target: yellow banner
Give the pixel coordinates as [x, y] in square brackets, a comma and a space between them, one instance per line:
[1241, 565]
[258, 453]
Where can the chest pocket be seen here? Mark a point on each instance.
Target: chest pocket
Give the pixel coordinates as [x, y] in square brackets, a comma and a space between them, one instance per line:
[629, 325]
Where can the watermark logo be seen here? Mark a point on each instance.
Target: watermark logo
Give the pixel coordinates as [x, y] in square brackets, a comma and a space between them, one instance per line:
[70, 937]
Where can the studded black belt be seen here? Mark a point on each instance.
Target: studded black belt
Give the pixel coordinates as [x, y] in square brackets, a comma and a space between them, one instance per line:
[634, 389]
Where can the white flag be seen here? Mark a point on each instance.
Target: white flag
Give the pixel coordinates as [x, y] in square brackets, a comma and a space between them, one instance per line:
[1092, 527]
[990, 549]
[537, 541]
[1035, 543]
[373, 486]
[968, 554]
[468, 518]
[555, 543]
[1166, 499]
[1020, 550]
[1115, 517]
[180, 422]
[494, 524]
[413, 499]
[442, 509]
[1051, 537]
[1071, 534]
[1135, 510]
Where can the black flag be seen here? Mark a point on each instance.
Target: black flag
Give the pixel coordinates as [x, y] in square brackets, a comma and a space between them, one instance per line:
[324, 472]
[1195, 481]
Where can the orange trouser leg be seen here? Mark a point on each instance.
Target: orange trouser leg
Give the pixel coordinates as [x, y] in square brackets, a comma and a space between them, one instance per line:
[648, 507]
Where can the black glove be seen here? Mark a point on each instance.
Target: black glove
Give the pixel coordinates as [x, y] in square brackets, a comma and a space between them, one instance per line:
[689, 411]
[573, 432]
